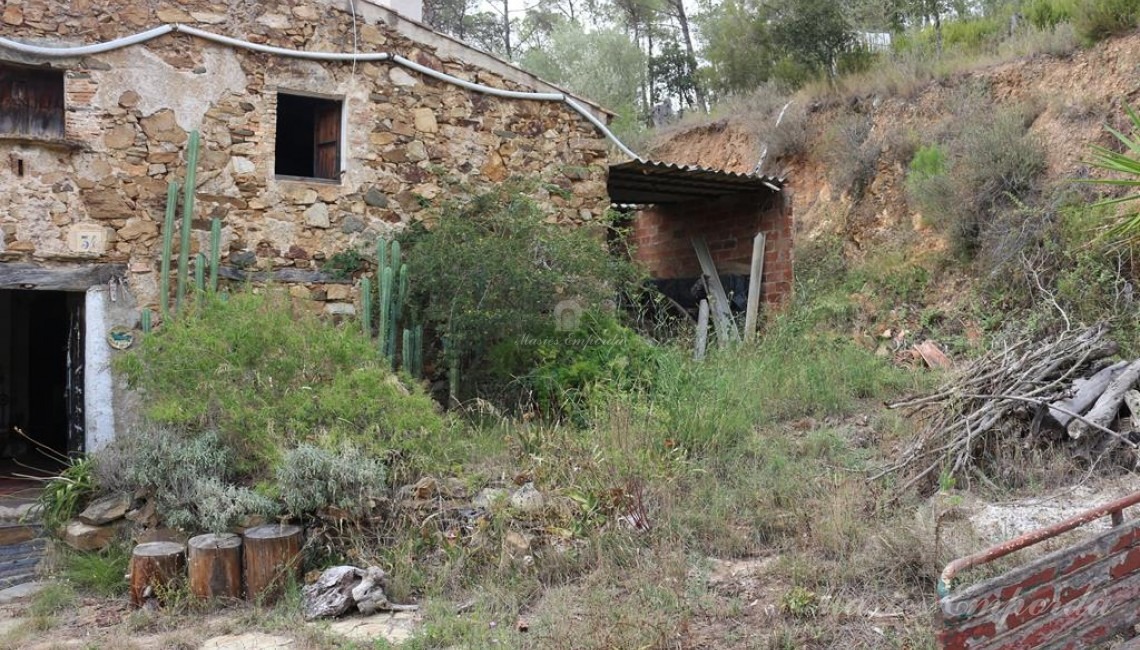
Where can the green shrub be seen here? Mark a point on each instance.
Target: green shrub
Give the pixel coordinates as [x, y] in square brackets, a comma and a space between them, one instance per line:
[267, 376]
[493, 270]
[310, 478]
[190, 476]
[1096, 20]
[972, 35]
[579, 371]
[992, 163]
[63, 495]
[1047, 14]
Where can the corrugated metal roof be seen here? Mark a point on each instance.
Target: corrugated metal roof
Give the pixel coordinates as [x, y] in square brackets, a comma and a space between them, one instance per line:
[647, 182]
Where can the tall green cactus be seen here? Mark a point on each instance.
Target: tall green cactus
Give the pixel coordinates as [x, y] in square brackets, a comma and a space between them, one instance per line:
[366, 305]
[187, 216]
[167, 247]
[392, 287]
[215, 252]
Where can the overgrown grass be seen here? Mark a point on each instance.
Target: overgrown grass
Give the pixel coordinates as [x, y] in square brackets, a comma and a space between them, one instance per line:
[101, 573]
[267, 376]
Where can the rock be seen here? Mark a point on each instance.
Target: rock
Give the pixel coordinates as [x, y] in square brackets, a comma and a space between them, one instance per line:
[243, 259]
[416, 151]
[425, 120]
[494, 170]
[528, 499]
[248, 641]
[337, 292]
[397, 76]
[137, 227]
[129, 99]
[375, 198]
[351, 224]
[85, 537]
[489, 496]
[317, 216]
[106, 204]
[516, 544]
[162, 127]
[19, 592]
[119, 137]
[332, 594]
[340, 309]
[105, 510]
[243, 165]
[395, 628]
[143, 515]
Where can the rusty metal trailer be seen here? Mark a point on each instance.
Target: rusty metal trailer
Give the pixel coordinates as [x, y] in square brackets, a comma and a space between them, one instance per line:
[1083, 596]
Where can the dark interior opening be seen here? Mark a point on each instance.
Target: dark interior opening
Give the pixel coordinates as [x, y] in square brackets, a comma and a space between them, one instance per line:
[41, 377]
[308, 137]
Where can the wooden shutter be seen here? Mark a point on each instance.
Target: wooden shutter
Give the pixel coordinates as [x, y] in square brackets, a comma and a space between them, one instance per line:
[31, 102]
[327, 144]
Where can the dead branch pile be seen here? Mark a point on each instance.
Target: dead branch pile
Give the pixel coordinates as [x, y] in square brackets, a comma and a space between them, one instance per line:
[1064, 389]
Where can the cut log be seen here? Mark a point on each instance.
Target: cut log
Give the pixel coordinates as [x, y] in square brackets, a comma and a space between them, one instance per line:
[933, 355]
[1108, 404]
[271, 555]
[155, 567]
[1085, 394]
[215, 566]
[1132, 401]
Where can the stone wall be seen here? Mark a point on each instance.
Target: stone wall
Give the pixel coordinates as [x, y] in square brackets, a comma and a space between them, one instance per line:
[409, 143]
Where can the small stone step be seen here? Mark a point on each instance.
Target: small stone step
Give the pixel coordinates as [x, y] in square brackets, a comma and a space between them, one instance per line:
[18, 533]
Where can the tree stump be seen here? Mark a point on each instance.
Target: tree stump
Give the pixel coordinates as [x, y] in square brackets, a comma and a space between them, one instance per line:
[270, 555]
[154, 566]
[215, 566]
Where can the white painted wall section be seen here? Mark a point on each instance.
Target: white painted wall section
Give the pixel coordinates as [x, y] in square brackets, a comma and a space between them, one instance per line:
[98, 381]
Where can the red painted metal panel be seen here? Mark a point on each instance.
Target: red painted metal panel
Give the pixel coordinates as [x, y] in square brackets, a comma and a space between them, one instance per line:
[1076, 597]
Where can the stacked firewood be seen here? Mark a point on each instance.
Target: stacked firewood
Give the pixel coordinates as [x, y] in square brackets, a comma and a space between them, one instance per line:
[1065, 390]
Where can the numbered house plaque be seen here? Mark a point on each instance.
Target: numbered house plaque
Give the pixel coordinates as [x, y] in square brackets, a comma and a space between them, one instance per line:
[87, 238]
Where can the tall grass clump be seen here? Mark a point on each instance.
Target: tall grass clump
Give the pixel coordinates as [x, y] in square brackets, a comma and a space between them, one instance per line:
[1096, 20]
[267, 376]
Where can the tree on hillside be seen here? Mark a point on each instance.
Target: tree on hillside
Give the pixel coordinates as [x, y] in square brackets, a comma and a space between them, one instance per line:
[812, 32]
[603, 65]
[738, 45]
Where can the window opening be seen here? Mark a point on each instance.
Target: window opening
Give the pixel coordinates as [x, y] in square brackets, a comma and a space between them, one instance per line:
[31, 101]
[308, 137]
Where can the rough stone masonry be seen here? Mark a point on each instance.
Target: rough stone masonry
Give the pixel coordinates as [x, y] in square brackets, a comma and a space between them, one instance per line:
[405, 142]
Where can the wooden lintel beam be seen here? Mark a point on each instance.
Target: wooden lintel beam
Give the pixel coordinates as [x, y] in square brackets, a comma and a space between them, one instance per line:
[76, 277]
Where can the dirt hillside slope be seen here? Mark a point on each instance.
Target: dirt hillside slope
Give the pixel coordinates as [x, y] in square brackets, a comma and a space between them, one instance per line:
[1073, 97]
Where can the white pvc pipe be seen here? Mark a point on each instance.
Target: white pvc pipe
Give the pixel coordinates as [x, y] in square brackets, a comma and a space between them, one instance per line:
[442, 76]
[84, 50]
[281, 51]
[142, 37]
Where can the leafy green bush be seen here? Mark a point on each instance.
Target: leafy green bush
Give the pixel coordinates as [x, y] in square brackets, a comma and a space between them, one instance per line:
[972, 35]
[1096, 20]
[494, 270]
[578, 371]
[1047, 14]
[310, 477]
[267, 376]
[190, 477]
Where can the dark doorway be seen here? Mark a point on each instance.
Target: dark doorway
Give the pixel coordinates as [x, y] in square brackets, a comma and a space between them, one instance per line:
[308, 137]
[41, 375]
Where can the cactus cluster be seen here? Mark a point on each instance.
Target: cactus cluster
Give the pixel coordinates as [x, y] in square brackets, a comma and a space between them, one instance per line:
[201, 262]
[392, 292]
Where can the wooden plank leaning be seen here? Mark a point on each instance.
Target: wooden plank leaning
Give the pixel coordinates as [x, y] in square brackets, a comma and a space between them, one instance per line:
[725, 329]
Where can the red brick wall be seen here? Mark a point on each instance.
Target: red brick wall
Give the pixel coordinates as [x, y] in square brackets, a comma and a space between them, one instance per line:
[662, 239]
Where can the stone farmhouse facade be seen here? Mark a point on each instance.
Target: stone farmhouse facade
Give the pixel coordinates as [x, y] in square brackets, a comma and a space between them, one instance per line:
[301, 159]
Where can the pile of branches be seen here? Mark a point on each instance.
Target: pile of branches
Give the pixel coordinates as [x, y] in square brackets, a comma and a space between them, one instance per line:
[1064, 390]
